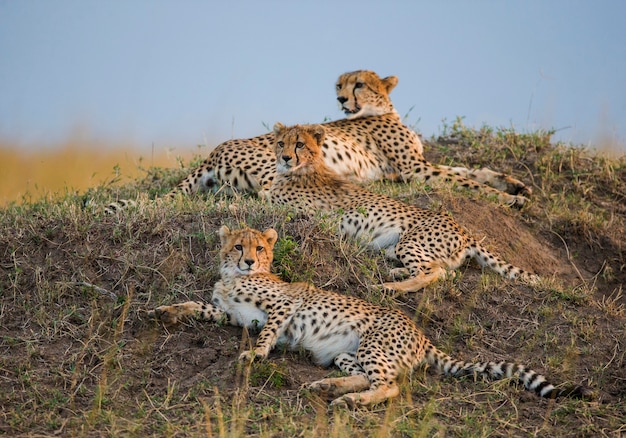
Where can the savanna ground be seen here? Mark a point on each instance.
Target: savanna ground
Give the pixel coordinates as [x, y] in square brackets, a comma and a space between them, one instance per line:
[79, 357]
[28, 173]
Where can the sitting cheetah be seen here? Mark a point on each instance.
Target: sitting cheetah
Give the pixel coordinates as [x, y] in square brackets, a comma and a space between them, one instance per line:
[371, 144]
[423, 241]
[371, 344]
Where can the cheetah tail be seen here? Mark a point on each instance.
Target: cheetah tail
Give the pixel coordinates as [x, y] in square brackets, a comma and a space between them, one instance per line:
[489, 260]
[532, 380]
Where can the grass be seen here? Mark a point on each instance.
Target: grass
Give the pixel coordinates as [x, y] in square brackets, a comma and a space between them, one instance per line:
[76, 165]
[78, 357]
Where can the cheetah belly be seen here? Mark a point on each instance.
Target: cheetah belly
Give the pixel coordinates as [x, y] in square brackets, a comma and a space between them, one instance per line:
[323, 341]
[377, 237]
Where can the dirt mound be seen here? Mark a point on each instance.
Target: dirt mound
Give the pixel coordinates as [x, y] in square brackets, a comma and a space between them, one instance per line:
[78, 356]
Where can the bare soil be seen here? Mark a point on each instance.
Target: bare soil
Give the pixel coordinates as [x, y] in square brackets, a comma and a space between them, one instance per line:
[83, 360]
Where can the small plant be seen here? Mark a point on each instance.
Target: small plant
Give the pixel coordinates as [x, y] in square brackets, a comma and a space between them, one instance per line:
[79, 357]
[268, 373]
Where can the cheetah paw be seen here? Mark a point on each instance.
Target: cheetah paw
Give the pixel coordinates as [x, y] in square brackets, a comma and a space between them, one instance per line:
[264, 195]
[247, 356]
[524, 190]
[513, 186]
[517, 201]
[399, 273]
[165, 314]
[533, 280]
[252, 355]
[348, 401]
[452, 275]
[320, 386]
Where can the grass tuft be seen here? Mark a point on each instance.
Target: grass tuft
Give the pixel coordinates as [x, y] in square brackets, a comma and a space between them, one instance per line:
[78, 357]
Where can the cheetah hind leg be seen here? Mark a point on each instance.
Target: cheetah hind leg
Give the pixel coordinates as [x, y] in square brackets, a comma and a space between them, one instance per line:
[335, 386]
[366, 398]
[416, 282]
[371, 383]
[497, 180]
[402, 273]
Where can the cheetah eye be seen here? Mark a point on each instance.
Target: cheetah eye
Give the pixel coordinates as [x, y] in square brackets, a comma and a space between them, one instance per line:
[358, 85]
[281, 144]
[260, 248]
[299, 145]
[338, 87]
[238, 247]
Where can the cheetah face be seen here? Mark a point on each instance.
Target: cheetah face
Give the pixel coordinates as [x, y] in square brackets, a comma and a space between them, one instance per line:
[297, 148]
[246, 251]
[363, 93]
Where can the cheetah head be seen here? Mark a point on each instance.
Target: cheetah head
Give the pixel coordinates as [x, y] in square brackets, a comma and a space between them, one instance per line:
[298, 148]
[363, 93]
[246, 251]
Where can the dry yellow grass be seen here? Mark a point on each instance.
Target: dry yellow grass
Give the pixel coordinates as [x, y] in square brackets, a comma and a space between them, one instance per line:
[27, 174]
[80, 357]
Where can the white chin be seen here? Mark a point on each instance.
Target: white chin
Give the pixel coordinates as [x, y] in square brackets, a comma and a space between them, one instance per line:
[230, 271]
[281, 168]
[367, 111]
[350, 114]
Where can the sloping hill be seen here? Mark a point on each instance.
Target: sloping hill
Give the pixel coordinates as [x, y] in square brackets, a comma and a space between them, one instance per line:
[79, 357]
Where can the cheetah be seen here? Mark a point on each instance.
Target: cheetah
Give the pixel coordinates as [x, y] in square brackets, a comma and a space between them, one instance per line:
[370, 344]
[423, 241]
[370, 144]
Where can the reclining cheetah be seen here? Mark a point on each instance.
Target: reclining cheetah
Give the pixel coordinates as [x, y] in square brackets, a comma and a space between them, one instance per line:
[371, 344]
[423, 241]
[371, 144]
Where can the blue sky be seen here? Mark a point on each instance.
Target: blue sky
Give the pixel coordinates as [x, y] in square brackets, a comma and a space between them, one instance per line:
[182, 73]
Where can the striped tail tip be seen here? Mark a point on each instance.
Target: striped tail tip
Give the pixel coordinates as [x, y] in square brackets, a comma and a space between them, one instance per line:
[579, 392]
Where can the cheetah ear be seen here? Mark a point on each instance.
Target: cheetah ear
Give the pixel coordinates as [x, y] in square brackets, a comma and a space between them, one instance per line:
[278, 128]
[319, 134]
[390, 83]
[224, 234]
[271, 236]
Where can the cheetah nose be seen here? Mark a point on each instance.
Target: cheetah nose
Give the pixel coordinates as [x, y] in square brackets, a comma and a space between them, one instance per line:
[249, 262]
[342, 99]
[286, 158]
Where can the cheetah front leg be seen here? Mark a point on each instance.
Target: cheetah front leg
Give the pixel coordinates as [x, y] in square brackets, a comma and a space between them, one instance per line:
[173, 314]
[430, 173]
[278, 319]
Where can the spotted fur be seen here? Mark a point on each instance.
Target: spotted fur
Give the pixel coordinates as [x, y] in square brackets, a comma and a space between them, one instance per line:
[426, 243]
[371, 344]
[371, 144]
